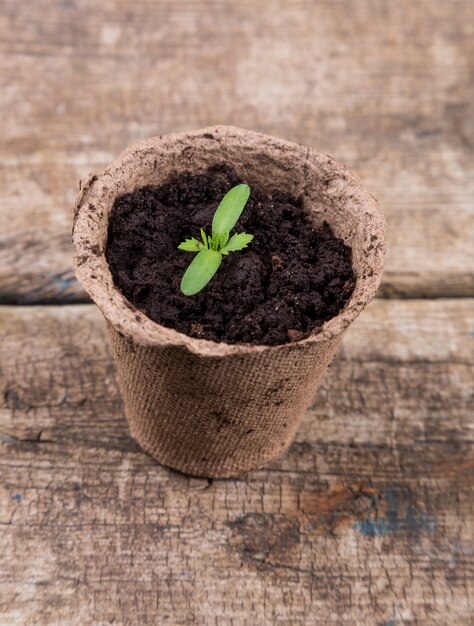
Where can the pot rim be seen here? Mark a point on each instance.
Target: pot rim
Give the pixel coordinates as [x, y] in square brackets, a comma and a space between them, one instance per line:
[93, 273]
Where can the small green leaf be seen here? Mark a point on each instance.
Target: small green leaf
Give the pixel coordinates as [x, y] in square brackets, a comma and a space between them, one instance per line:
[202, 268]
[204, 238]
[230, 209]
[237, 242]
[190, 245]
[213, 243]
[223, 239]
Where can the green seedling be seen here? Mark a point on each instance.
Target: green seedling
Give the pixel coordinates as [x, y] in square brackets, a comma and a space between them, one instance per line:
[211, 249]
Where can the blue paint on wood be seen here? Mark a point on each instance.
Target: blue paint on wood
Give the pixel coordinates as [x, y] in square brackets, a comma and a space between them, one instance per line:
[375, 528]
[63, 283]
[61, 288]
[17, 497]
[399, 515]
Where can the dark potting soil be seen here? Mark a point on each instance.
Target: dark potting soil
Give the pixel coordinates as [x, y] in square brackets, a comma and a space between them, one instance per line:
[290, 280]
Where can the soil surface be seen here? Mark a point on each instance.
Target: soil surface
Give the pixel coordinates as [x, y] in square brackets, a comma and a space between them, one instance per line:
[290, 280]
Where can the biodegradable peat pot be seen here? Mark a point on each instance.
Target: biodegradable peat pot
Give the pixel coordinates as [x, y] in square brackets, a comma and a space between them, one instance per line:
[214, 409]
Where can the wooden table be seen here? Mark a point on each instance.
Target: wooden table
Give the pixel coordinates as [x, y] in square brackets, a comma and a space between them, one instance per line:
[369, 517]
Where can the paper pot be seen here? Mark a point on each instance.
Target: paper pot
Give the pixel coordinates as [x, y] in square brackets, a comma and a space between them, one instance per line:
[215, 409]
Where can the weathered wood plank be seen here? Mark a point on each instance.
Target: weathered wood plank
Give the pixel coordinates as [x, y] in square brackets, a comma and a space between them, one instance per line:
[383, 86]
[36, 267]
[367, 520]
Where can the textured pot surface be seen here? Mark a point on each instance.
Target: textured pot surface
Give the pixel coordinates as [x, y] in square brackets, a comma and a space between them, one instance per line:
[215, 409]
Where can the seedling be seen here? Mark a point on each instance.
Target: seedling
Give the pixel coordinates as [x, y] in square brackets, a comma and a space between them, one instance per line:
[211, 249]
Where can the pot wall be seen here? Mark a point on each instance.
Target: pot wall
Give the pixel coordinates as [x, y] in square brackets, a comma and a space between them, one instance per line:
[217, 416]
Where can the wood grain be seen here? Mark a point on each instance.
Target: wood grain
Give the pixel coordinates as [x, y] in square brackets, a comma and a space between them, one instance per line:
[367, 520]
[36, 267]
[385, 87]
